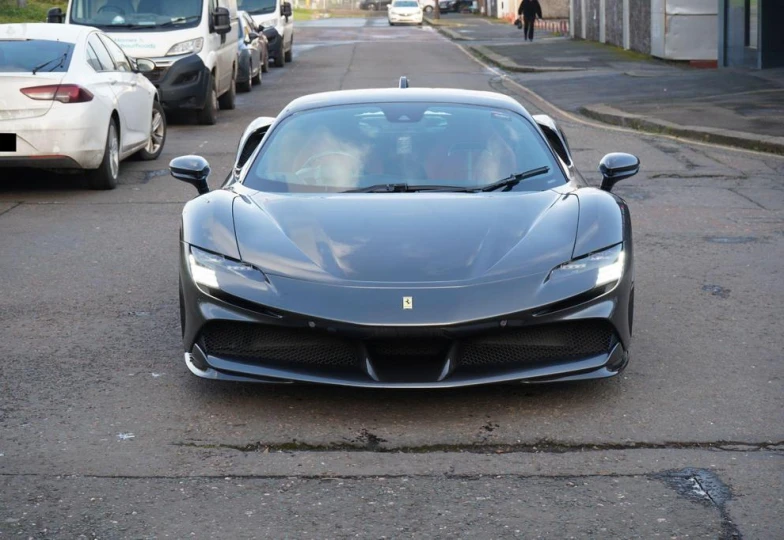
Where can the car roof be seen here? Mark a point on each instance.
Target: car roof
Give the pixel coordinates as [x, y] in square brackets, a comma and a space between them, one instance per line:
[69, 33]
[403, 95]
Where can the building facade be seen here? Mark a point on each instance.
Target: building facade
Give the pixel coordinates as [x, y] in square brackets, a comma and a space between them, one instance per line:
[722, 32]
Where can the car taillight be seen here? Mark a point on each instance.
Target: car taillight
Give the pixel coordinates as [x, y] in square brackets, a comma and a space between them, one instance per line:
[64, 93]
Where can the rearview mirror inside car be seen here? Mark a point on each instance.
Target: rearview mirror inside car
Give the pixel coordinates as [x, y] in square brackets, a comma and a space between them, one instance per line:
[616, 167]
[194, 170]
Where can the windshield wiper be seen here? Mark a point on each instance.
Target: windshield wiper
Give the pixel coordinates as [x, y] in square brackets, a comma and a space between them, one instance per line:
[61, 59]
[179, 20]
[511, 181]
[405, 188]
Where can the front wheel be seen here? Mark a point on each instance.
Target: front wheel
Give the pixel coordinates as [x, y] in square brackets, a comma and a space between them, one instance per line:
[290, 53]
[257, 78]
[428, 9]
[265, 65]
[280, 57]
[247, 85]
[228, 101]
[208, 116]
[157, 134]
[105, 176]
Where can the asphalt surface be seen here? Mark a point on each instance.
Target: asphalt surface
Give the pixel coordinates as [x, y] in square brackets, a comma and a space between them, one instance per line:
[104, 433]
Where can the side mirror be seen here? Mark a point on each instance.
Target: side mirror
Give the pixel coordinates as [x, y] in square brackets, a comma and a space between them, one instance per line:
[616, 167]
[260, 28]
[252, 36]
[285, 9]
[55, 15]
[144, 65]
[221, 20]
[192, 169]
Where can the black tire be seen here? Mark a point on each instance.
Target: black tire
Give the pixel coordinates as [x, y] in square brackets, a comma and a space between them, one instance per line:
[228, 101]
[208, 116]
[289, 54]
[247, 85]
[280, 57]
[391, 23]
[428, 9]
[265, 64]
[157, 134]
[105, 176]
[257, 78]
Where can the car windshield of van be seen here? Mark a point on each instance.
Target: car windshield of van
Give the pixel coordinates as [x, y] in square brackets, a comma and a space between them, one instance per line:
[118, 15]
[39, 55]
[403, 146]
[257, 7]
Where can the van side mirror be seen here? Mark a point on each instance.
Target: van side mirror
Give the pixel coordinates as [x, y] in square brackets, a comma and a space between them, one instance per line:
[221, 21]
[194, 170]
[616, 167]
[55, 15]
[285, 9]
[252, 36]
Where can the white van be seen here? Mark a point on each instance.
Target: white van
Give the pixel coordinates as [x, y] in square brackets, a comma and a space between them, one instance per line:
[192, 42]
[276, 20]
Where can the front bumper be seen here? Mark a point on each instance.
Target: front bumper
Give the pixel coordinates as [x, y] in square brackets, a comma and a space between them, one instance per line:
[229, 338]
[405, 19]
[274, 41]
[183, 83]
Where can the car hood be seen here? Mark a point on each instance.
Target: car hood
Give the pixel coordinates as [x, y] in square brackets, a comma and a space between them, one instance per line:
[406, 237]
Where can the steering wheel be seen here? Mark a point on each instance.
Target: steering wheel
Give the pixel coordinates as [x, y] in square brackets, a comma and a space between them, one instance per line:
[310, 167]
[110, 7]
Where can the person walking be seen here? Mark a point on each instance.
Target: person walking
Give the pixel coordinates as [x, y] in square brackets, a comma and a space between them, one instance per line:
[529, 10]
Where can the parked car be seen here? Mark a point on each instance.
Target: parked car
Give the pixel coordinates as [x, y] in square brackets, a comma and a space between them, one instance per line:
[193, 43]
[405, 12]
[276, 19]
[454, 6]
[252, 54]
[71, 99]
[374, 5]
[406, 238]
[428, 6]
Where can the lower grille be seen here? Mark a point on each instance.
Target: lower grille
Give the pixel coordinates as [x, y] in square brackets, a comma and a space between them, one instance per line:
[278, 345]
[408, 354]
[546, 343]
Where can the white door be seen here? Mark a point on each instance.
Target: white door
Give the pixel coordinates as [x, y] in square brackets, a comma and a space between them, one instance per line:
[135, 101]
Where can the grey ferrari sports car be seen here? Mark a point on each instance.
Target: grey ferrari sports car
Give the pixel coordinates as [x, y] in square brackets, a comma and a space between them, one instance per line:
[405, 238]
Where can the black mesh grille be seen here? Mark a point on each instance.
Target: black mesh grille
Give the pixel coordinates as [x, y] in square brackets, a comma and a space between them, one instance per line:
[273, 344]
[546, 343]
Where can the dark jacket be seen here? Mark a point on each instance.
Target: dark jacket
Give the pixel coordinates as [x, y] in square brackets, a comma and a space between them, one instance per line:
[530, 9]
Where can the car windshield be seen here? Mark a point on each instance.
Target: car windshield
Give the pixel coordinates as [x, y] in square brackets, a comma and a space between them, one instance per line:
[257, 7]
[118, 15]
[20, 56]
[344, 148]
[405, 3]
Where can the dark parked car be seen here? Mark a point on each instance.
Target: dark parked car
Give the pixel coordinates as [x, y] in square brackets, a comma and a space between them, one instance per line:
[374, 5]
[416, 238]
[454, 6]
[252, 54]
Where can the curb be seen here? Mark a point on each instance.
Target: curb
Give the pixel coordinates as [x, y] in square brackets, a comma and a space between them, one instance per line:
[726, 137]
[446, 31]
[508, 64]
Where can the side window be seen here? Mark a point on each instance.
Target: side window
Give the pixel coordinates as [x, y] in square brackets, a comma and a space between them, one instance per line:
[95, 45]
[120, 60]
[92, 58]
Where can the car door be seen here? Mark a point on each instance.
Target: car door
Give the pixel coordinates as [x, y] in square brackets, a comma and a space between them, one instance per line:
[255, 45]
[101, 63]
[134, 100]
[227, 51]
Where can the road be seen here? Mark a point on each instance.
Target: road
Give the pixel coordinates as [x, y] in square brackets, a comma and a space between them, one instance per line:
[104, 433]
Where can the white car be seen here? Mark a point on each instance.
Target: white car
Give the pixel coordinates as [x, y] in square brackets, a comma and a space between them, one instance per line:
[71, 99]
[405, 12]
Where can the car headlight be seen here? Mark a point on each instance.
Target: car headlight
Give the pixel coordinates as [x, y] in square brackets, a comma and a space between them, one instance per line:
[608, 265]
[207, 268]
[187, 47]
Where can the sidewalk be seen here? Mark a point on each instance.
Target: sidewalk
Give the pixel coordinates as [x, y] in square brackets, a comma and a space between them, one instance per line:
[743, 108]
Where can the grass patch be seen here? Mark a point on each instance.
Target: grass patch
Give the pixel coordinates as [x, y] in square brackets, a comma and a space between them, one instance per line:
[34, 12]
[301, 14]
